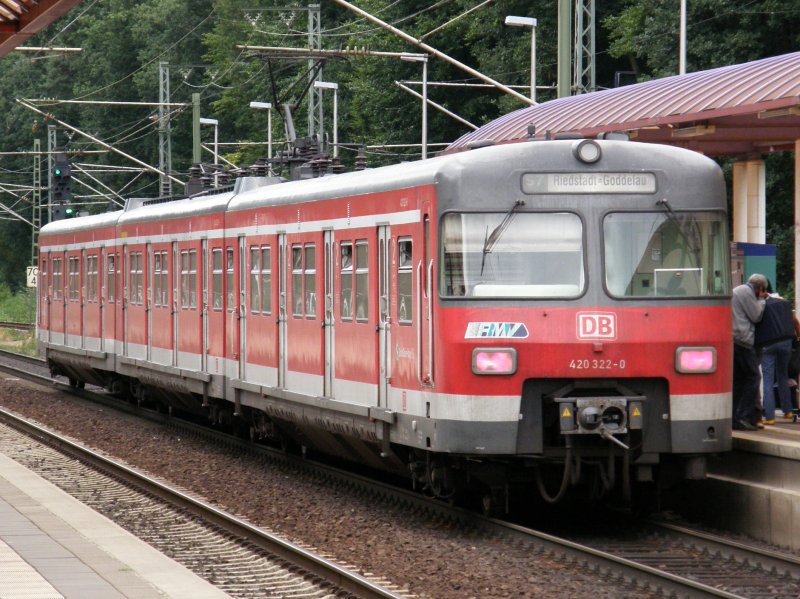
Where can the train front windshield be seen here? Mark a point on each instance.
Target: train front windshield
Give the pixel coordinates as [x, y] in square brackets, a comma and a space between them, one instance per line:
[666, 254]
[513, 254]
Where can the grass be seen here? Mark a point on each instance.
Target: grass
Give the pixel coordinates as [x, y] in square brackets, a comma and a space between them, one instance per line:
[18, 307]
[21, 342]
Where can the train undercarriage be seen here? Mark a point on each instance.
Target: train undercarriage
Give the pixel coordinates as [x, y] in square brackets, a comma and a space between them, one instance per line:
[590, 438]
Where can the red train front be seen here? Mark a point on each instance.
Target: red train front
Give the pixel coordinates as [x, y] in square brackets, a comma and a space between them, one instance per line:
[539, 313]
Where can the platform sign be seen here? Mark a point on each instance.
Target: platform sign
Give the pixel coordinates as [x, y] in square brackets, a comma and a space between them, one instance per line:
[32, 275]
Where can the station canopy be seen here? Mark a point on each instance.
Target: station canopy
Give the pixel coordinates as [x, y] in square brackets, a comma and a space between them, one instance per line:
[739, 110]
[22, 19]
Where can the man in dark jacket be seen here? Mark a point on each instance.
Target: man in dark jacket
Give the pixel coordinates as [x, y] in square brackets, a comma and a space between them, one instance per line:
[773, 339]
[748, 307]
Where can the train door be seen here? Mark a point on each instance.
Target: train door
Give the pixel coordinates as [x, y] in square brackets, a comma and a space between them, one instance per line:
[384, 331]
[425, 303]
[82, 277]
[126, 281]
[282, 312]
[44, 292]
[327, 266]
[110, 299]
[241, 311]
[175, 262]
[203, 307]
[101, 304]
[148, 298]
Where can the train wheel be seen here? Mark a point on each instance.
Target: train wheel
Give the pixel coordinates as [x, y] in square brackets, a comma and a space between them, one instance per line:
[493, 502]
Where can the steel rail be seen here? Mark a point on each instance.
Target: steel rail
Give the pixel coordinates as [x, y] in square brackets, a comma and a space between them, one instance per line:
[316, 565]
[602, 561]
[766, 558]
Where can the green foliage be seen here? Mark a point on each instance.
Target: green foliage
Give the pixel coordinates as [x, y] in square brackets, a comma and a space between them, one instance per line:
[17, 306]
[123, 44]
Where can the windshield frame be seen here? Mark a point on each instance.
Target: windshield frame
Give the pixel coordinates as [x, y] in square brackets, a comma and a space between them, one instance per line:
[517, 212]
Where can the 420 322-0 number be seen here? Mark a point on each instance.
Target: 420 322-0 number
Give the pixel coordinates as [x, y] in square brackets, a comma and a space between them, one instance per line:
[586, 364]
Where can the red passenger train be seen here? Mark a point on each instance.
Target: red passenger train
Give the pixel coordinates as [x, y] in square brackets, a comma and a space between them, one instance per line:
[539, 313]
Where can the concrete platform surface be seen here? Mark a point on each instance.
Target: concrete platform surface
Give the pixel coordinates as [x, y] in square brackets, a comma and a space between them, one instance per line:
[54, 547]
[755, 489]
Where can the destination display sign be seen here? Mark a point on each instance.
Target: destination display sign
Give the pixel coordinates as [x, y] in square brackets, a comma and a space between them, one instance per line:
[551, 183]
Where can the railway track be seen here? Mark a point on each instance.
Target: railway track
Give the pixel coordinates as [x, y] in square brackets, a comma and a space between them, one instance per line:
[667, 562]
[243, 560]
[20, 326]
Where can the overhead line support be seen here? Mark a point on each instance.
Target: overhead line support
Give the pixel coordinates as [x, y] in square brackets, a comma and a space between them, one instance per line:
[431, 50]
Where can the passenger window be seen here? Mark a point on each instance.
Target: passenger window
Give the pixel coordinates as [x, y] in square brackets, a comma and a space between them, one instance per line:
[58, 282]
[346, 303]
[266, 280]
[404, 276]
[111, 279]
[297, 280]
[255, 280]
[193, 278]
[310, 280]
[216, 279]
[91, 279]
[362, 281]
[230, 265]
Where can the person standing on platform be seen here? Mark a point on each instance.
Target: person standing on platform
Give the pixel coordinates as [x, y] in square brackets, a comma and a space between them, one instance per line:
[773, 337]
[748, 307]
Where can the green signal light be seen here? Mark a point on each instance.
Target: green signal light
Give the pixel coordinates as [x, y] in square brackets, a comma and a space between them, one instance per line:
[58, 172]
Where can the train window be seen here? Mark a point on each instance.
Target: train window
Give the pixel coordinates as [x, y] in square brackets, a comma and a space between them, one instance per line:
[160, 282]
[362, 281]
[230, 265]
[58, 283]
[216, 279]
[255, 279]
[91, 279]
[297, 280]
[135, 291]
[74, 279]
[111, 278]
[405, 262]
[346, 303]
[193, 278]
[310, 280]
[666, 254]
[189, 279]
[164, 279]
[512, 254]
[266, 280]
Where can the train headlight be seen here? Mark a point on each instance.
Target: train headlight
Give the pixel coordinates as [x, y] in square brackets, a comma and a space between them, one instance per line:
[587, 150]
[694, 360]
[494, 360]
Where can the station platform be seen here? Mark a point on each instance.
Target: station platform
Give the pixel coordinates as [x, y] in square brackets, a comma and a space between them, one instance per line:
[754, 489]
[54, 547]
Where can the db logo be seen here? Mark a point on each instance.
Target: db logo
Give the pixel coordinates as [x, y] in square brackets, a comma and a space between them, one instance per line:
[597, 325]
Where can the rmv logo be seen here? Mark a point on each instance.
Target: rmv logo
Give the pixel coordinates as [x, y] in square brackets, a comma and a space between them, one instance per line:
[597, 325]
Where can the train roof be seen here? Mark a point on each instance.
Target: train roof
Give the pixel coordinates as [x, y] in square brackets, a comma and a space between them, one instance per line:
[82, 223]
[187, 207]
[464, 170]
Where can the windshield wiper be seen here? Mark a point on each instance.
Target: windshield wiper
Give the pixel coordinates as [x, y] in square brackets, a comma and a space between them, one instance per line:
[688, 233]
[491, 240]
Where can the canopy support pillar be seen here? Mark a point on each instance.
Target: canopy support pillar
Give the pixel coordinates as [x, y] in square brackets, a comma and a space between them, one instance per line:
[749, 201]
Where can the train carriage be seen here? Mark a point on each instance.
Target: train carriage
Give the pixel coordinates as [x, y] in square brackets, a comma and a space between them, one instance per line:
[506, 313]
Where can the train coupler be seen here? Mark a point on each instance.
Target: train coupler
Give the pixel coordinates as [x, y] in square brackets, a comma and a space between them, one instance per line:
[604, 416]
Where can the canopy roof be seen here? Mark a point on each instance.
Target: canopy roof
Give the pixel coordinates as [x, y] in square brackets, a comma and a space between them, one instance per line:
[743, 109]
[22, 19]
